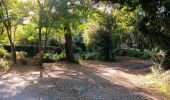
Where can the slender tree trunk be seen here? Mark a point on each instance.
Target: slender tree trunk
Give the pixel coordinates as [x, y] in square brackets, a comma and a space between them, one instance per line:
[40, 48]
[69, 45]
[8, 25]
[13, 51]
[46, 36]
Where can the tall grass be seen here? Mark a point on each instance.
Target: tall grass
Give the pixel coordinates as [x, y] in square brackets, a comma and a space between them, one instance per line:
[160, 80]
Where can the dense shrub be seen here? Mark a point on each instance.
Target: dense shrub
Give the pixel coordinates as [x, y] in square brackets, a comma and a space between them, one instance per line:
[103, 43]
[21, 58]
[79, 45]
[88, 56]
[4, 53]
[33, 50]
[160, 79]
[133, 53]
[50, 57]
[5, 64]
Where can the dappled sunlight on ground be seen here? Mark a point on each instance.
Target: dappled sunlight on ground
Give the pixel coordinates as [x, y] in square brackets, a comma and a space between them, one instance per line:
[92, 80]
[12, 86]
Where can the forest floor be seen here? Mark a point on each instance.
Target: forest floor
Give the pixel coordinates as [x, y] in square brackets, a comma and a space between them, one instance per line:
[89, 80]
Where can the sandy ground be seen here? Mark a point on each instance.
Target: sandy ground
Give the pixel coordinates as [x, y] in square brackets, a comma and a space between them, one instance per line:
[92, 80]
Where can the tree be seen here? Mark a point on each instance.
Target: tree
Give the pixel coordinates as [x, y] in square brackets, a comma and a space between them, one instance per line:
[98, 31]
[155, 25]
[68, 14]
[44, 21]
[12, 14]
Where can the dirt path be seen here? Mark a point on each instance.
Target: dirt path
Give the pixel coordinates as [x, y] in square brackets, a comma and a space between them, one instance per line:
[92, 80]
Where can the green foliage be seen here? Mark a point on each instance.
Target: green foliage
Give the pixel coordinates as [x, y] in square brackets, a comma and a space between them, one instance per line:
[31, 50]
[162, 57]
[21, 54]
[5, 64]
[88, 56]
[21, 57]
[160, 79]
[69, 13]
[50, 57]
[98, 35]
[134, 53]
[27, 36]
[3, 52]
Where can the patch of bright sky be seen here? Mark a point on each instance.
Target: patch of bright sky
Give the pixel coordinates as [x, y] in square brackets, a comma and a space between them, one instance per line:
[27, 20]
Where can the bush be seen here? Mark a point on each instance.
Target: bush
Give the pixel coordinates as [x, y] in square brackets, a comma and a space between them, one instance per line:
[5, 64]
[133, 53]
[160, 79]
[88, 56]
[50, 57]
[4, 53]
[102, 42]
[32, 50]
[21, 58]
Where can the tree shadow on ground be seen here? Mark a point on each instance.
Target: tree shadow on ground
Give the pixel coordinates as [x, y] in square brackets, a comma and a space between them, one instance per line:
[129, 65]
[84, 84]
[63, 81]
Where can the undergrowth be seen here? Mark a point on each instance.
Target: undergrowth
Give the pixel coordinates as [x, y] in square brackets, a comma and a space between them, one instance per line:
[145, 54]
[160, 80]
[5, 64]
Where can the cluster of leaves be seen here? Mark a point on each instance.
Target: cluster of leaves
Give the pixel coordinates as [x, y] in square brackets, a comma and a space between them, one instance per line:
[5, 64]
[88, 56]
[3, 52]
[50, 57]
[134, 53]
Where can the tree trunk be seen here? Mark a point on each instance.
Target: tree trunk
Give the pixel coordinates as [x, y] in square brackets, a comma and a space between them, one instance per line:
[13, 51]
[69, 45]
[108, 56]
[46, 36]
[40, 48]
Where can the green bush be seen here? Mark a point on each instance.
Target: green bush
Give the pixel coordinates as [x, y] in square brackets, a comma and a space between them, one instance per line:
[5, 64]
[160, 79]
[88, 56]
[4, 53]
[60, 56]
[50, 57]
[31, 50]
[133, 53]
[21, 57]
[21, 54]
